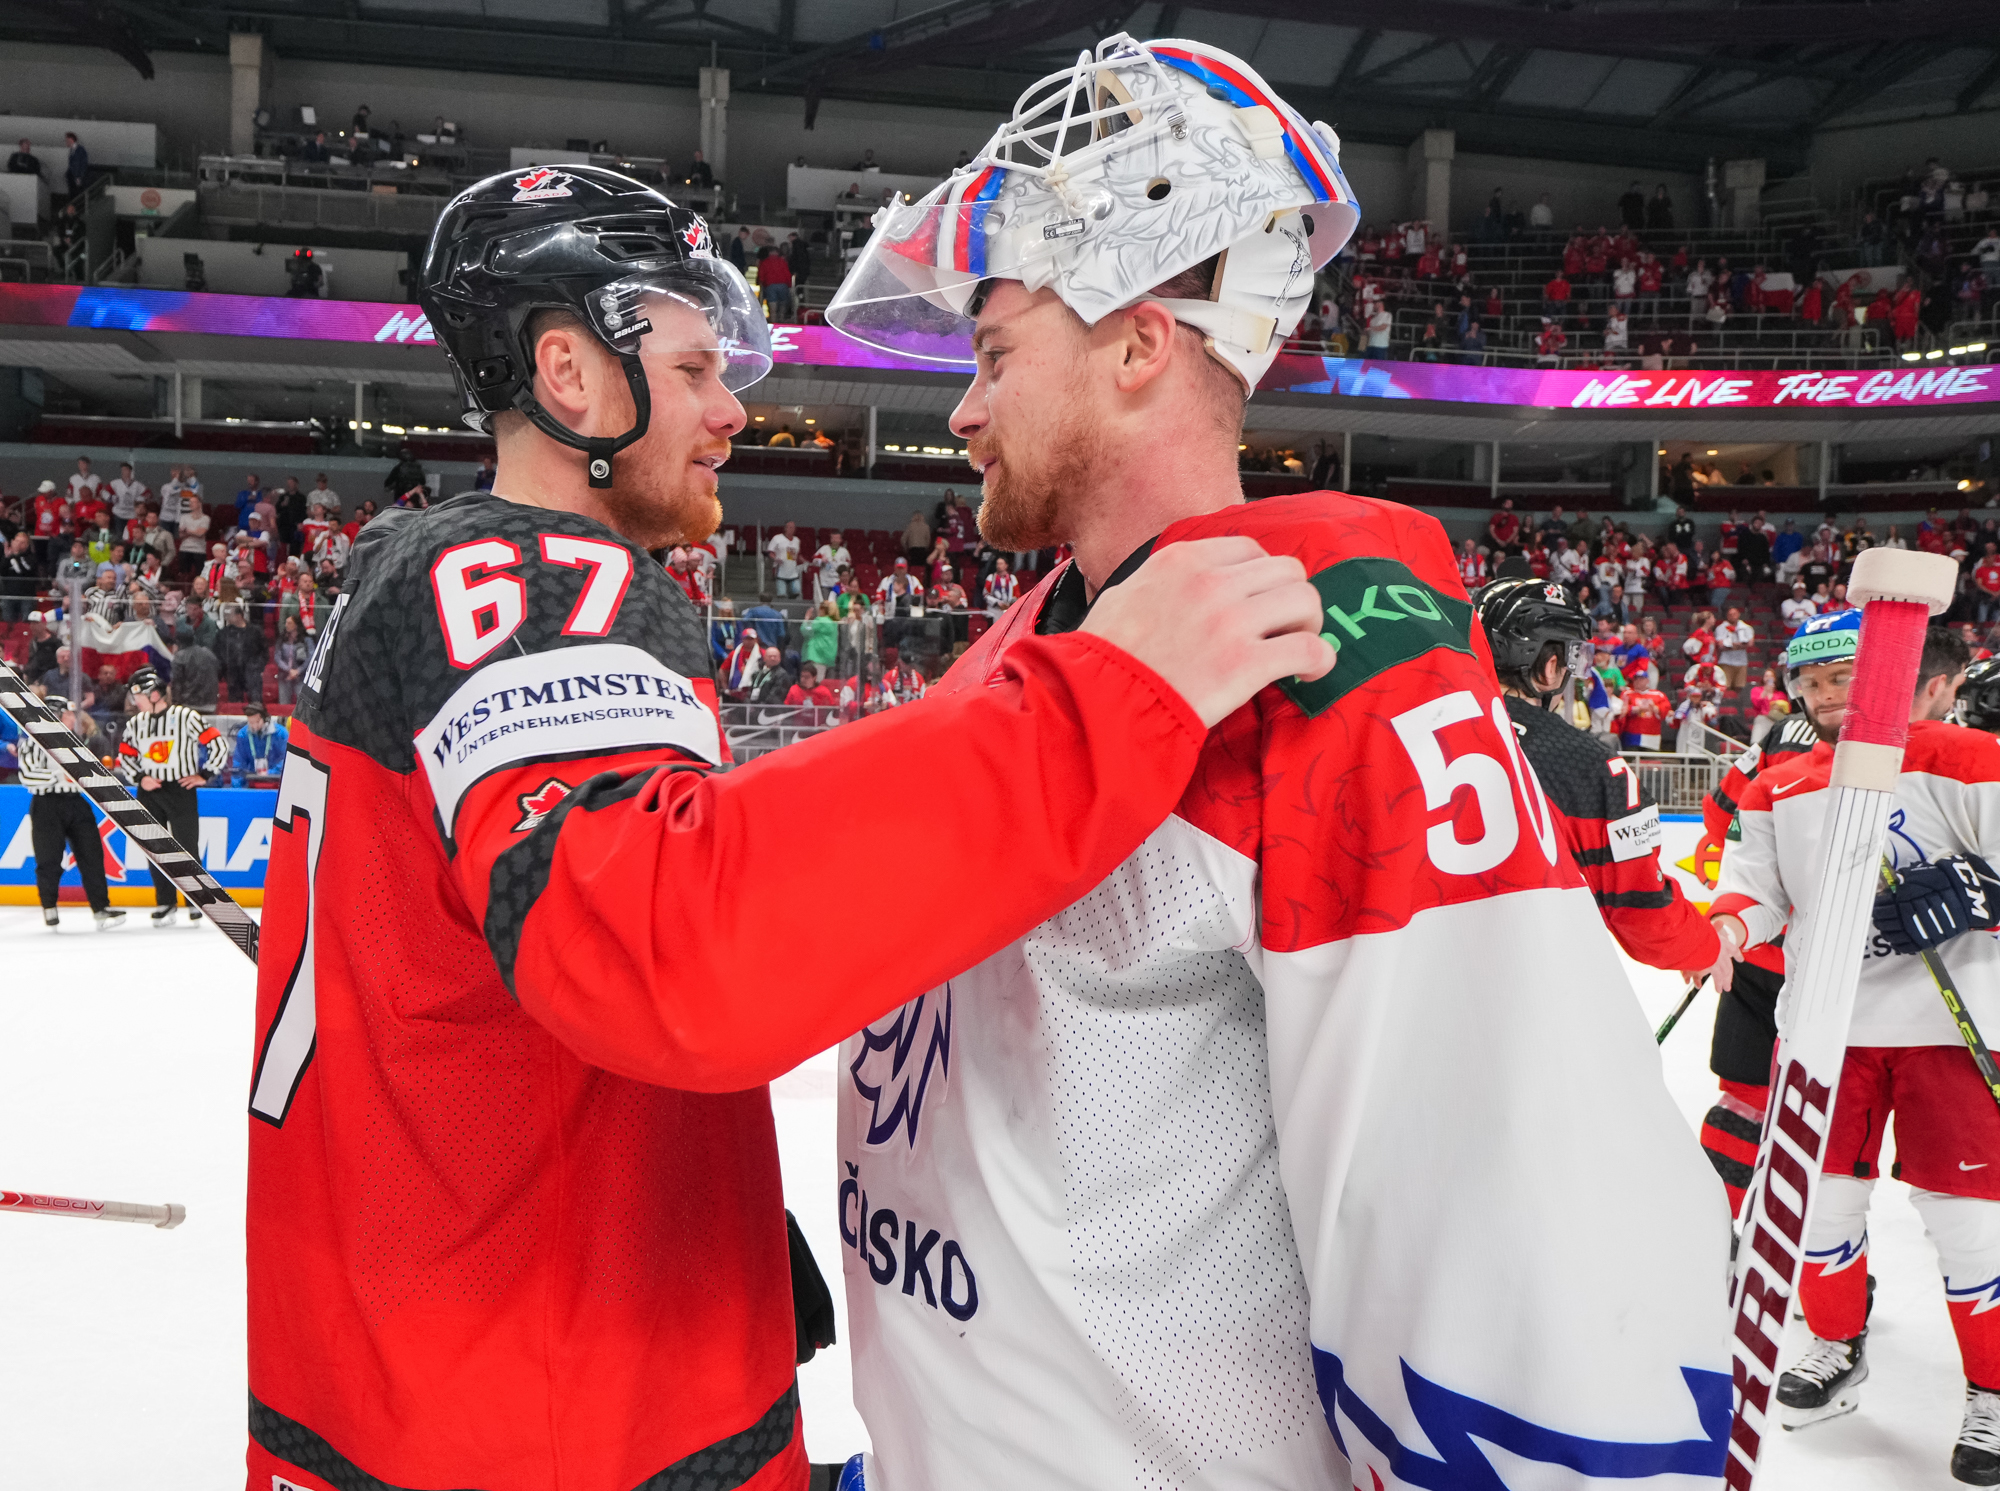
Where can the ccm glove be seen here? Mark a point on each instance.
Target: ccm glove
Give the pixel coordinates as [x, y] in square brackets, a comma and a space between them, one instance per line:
[1936, 902]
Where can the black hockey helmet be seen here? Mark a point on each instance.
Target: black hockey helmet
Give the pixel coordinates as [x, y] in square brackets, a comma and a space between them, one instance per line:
[1523, 618]
[1979, 696]
[604, 248]
[146, 680]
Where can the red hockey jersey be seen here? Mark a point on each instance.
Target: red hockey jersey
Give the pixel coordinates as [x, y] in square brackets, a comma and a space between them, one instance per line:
[1612, 831]
[514, 1216]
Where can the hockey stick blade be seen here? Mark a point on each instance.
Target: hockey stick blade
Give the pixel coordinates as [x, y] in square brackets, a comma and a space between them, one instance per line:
[1954, 1003]
[29, 1203]
[1667, 1026]
[1900, 590]
[153, 837]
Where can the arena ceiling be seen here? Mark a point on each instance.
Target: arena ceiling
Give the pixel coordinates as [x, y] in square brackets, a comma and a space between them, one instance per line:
[1658, 82]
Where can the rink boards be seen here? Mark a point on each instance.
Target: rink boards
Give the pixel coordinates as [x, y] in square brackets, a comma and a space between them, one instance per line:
[235, 846]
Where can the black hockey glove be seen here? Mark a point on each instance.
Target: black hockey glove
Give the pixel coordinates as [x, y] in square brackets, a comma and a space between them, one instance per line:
[1936, 902]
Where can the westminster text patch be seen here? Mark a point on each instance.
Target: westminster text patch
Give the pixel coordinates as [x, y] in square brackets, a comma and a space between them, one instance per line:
[1377, 614]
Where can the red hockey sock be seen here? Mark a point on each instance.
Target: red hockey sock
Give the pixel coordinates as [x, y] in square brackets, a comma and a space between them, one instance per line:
[1836, 1303]
[1729, 1136]
[1978, 1333]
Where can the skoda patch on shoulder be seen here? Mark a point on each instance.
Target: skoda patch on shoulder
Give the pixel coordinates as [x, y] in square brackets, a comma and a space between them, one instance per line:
[1378, 614]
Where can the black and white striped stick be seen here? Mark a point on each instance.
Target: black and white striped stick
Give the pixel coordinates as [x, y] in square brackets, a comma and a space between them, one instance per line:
[122, 808]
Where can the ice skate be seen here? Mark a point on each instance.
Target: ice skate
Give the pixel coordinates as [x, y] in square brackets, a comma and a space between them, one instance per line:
[1975, 1459]
[1824, 1383]
[51, 917]
[109, 917]
[163, 916]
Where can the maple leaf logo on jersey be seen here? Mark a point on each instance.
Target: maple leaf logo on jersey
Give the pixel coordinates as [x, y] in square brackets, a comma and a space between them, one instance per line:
[540, 185]
[537, 805]
[893, 1069]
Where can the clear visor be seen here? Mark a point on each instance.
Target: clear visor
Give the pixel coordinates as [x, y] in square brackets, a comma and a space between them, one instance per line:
[1579, 657]
[913, 289]
[702, 305]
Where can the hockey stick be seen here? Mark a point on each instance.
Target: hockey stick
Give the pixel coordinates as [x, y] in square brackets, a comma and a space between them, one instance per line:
[1899, 590]
[29, 1204]
[122, 808]
[1667, 1027]
[1989, 1070]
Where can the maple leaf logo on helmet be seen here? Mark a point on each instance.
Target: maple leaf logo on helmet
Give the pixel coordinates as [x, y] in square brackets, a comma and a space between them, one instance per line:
[540, 185]
[537, 805]
[696, 237]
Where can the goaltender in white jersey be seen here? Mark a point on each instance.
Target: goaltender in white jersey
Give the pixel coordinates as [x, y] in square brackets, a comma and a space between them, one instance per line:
[1323, 1144]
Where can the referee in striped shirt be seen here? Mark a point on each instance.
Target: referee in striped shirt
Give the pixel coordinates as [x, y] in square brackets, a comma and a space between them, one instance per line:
[59, 816]
[168, 751]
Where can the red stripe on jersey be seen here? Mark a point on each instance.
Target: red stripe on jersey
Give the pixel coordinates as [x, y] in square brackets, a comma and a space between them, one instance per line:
[208, 735]
[1332, 807]
[1643, 907]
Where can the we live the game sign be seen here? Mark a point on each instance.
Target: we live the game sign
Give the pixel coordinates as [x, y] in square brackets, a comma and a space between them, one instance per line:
[1900, 387]
[235, 847]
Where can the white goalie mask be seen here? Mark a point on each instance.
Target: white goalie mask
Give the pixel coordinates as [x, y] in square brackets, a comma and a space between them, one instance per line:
[1144, 161]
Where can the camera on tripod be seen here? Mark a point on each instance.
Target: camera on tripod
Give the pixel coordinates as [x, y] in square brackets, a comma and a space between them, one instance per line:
[306, 275]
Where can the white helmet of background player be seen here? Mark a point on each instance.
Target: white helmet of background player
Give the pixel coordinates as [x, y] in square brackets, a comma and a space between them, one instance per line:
[1143, 161]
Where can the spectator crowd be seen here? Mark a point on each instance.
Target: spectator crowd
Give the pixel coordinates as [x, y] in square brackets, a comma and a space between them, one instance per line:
[1689, 634]
[224, 594]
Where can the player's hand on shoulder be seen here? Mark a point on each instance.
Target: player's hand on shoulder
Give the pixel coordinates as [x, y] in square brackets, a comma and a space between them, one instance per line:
[1935, 902]
[1218, 619]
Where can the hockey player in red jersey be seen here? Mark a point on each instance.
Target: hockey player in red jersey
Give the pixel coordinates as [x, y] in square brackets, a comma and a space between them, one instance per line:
[1905, 1058]
[1540, 639]
[514, 1213]
[1257, 1165]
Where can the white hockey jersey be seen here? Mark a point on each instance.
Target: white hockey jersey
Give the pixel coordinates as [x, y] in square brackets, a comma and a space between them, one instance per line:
[1947, 802]
[1289, 1157]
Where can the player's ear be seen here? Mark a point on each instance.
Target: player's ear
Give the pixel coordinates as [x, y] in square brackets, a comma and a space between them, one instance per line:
[1144, 336]
[567, 371]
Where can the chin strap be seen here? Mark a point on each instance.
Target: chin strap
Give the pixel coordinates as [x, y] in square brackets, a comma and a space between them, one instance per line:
[1232, 326]
[598, 450]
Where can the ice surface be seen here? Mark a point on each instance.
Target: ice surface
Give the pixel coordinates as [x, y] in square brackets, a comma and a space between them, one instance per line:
[128, 1058]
